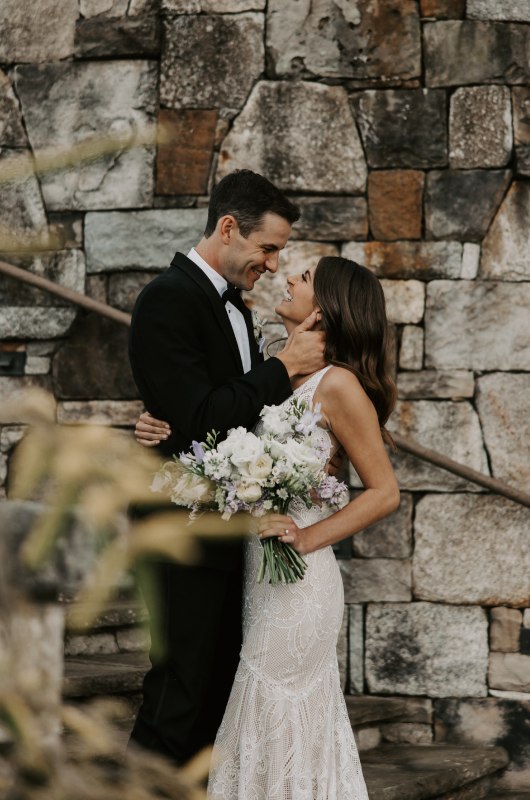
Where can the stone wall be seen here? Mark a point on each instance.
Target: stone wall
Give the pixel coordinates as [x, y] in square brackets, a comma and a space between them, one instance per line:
[402, 128]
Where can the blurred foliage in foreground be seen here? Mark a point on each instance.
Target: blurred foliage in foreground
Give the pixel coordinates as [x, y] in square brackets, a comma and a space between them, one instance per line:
[95, 473]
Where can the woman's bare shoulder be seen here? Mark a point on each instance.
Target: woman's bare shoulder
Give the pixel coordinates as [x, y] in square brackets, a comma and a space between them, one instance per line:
[340, 387]
[339, 380]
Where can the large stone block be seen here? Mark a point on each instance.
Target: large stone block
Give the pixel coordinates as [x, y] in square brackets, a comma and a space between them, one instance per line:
[280, 134]
[511, 10]
[376, 580]
[460, 204]
[145, 240]
[331, 218]
[443, 9]
[360, 41]
[505, 248]
[296, 258]
[62, 109]
[183, 160]
[505, 629]
[125, 287]
[405, 300]
[106, 9]
[480, 127]
[29, 313]
[433, 384]
[389, 538]
[460, 53]
[502, 404]
[451, 428]
[490, 536]
[63, 267]
[395, 200]
[30, 322]
[510, 672]
[11, 128]
[477, 325]
[426, 649]
[64, 571]
[403, 128]
[119, 413]
[211, 6]
[486, 722]
[421, 260]
[122, 35]
[37, 36]
[211, 76]
[93, 362]
[22, 213]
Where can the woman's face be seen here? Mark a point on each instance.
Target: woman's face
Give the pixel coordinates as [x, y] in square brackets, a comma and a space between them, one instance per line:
[299, 301]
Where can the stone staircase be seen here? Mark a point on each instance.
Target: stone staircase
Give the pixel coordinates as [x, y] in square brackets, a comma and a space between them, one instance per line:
[110, 660]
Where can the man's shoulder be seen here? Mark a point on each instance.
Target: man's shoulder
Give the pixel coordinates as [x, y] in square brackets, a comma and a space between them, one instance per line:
[175, 281]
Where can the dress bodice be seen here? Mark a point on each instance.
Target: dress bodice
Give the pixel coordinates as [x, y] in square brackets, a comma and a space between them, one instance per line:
[324, 440]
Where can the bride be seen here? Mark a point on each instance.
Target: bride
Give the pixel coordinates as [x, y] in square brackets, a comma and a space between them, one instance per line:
[285, 734]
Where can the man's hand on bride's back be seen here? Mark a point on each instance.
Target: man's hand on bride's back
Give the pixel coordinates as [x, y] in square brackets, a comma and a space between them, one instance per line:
[150, 431]
[303, 353]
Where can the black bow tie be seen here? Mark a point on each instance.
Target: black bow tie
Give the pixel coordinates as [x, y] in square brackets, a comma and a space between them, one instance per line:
[233, 295]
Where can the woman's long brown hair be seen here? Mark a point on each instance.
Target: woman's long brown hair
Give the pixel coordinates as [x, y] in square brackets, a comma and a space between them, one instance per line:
[353, 309]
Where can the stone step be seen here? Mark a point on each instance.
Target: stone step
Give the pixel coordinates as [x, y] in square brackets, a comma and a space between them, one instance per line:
[119, 613]
[392, 771]
[444, 772]
[392, 719]
[115, 674]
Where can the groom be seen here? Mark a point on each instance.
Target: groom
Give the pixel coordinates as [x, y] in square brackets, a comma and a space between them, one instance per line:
[197, 362]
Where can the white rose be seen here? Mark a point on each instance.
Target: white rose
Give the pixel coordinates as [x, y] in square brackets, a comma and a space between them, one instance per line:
[249, 449]
[275, 421]
[249, 492]
[232, 442]
[261, 468]
[297, 454]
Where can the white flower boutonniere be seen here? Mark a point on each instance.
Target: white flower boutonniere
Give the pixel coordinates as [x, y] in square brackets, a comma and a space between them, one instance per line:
[257, 325]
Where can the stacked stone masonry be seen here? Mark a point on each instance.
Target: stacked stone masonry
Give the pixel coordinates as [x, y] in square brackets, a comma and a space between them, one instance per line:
[402, 129]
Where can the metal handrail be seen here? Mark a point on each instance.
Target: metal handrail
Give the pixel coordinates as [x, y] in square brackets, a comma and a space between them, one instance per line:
[407, 445]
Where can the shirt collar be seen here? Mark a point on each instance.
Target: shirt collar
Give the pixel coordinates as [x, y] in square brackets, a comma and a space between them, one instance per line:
[220, 283]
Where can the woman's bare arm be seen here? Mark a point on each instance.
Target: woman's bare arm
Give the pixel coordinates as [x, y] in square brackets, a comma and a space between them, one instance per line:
[353, 420]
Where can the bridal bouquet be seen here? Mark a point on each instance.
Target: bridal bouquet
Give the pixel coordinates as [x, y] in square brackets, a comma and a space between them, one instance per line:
[258, 474]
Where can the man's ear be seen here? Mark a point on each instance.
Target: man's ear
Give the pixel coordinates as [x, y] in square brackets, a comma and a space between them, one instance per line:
[227, 227]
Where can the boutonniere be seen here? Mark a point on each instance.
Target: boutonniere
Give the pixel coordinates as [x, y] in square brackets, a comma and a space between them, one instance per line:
[257, 326]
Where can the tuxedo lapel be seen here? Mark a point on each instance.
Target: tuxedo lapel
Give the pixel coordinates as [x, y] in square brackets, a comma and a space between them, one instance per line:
[254, 349]
[217, 306]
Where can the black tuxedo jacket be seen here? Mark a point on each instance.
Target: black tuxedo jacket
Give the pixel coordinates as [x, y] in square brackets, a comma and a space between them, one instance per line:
[186, 364]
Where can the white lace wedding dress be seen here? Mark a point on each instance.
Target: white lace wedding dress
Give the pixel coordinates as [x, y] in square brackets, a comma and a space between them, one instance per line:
[286, 734]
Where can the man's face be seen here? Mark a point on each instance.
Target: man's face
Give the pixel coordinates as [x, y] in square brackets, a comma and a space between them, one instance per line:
[246, 259]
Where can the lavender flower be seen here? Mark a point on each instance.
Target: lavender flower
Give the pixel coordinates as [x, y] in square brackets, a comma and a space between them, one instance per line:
[198, 451]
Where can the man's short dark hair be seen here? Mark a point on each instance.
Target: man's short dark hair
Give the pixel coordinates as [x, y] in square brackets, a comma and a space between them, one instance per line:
[247, 196]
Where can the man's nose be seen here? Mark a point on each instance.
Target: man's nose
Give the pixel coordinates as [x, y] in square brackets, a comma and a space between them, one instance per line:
[271, 262]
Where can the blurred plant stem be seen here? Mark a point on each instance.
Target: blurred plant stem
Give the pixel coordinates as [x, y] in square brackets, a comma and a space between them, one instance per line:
[93, 475]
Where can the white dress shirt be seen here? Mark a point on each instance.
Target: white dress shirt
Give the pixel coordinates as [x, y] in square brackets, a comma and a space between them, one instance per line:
[234, 314]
